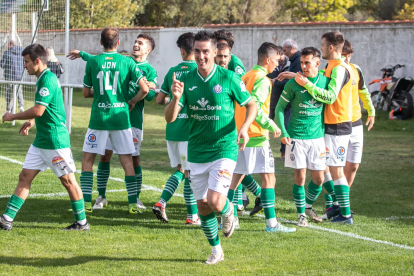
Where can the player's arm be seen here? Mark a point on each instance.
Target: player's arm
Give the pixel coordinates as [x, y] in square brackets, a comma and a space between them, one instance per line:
[31, 113]
[260, 92]
[165, 90]
[177, 102]
[284, 100]
[152, 82]
[74, 54]
[162, 99]
[87, 92]
[87, 82]
[328, 96]
[142, 93]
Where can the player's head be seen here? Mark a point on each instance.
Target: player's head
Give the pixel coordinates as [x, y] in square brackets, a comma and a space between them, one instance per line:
[268, 56]
[223, 55]
[347, 51]
[110, 38]
[223, 36]
[144, 44]
[186, 43]
[310, 59]
[332, 42]
[290, 47]
[205, 49]
[35, 58]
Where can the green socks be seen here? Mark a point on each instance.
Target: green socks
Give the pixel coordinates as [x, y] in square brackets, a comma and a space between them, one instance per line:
[138, 175]
[251, 185]
[131, 186]
[13, 206]
[226, 208]
[78, 209]
[171, 186]
[268, 202]
[239, 196]
[102, 177]
[329, 186]
[328, 201]
[190, 202]
[210, 228]
[312, 193]
[86, 181]
[342, 194]
[299, 198]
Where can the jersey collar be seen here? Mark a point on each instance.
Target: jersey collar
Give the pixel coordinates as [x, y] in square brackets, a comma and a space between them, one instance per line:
[43, 72]
[109, 52]
[209, 76]
[142, 62]
[260, 68]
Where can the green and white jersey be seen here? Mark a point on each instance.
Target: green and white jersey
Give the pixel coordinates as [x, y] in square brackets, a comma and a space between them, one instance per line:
[178, 130]
[111, 75]
[306, 121]
[210, 109]
[137, 114]
[51, 126]
[236, 65]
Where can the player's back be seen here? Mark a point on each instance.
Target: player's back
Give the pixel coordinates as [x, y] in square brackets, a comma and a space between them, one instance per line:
[110, 75]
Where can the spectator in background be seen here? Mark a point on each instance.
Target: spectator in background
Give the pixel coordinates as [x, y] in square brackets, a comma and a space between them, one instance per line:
[53, 63]
[287, 69]
[12, 63]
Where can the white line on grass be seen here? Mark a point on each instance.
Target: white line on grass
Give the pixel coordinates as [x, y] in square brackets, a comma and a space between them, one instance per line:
[398, 218]
[351, 235]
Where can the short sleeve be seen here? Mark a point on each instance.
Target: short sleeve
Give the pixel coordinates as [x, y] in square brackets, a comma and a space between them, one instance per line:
[44, 94]
[166, 86]
[238, 91]
[87, 79]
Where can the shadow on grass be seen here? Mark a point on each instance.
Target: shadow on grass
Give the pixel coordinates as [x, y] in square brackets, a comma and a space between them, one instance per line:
[72, 261]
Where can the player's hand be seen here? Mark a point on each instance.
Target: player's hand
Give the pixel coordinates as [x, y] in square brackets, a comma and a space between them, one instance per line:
[285, 76]
[24, 129]
[243, 134]
[7, 117]
[370, 122]
[277, 133]
[73, 54]
[177, 88]
[131, 105]
[301, 79]
[285, 140]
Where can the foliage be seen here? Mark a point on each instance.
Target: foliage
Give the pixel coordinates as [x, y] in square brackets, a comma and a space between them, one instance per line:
[407, 12]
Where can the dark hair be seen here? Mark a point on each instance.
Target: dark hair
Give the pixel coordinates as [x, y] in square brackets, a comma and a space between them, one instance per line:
[110, 37]
[310, 51]
[36, 51]
[347, 49]
[223, 46]
[335, 38]
[206, 36]
[225, 35]
[150, 39]
[186, 42]
[268, 48]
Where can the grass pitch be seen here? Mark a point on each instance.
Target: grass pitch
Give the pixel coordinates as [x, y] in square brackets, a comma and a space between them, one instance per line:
[380, 243]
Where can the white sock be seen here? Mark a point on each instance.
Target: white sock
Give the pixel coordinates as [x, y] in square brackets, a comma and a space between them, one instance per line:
[308, 206]
[6, 217]
[82, 222]
[271, 223]
[244, 196]
[162, 202]
[217, 249]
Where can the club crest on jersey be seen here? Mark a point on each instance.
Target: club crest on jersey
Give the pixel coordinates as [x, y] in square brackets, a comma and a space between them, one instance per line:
[92, 138]
[238, 70]
[44, 92]
[218, 89]
[224, 174]
[340, 151]
[57, 161]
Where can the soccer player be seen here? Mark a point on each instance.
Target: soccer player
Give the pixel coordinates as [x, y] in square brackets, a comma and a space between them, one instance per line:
[235, 64]
[114, 79]
[304, 138]
[337, 118]
[209, 94]
[177, 133]
[257, 157]
[143, 46]
[51, 147]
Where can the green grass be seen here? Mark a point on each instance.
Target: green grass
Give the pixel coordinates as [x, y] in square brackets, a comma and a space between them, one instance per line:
[123, 244]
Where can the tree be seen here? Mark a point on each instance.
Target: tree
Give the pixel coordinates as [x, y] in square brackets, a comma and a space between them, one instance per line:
[99, 14]
[407, 12]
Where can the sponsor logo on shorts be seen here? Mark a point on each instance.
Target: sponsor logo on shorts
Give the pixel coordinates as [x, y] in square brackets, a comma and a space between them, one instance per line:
[217, 89]
[341, 151]
[224, 174]
[322, 155]
[58, 161]
[327, 153]
[136, 142]
[92, 138]
[292, 157]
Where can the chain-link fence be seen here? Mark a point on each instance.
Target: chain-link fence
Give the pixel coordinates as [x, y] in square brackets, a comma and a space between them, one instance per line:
[23, 22]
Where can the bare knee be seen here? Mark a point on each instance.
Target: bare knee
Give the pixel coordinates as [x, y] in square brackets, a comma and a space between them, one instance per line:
[107, 157]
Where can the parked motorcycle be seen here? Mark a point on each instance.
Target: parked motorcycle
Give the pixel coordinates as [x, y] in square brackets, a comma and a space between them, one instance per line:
[394, 92]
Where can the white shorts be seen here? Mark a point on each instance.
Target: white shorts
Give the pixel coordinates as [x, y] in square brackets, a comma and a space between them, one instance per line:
[306, 154]
[95, 141]
[255, 160]
[214, 175]
[136, 139]
[60, 161]
[177, 151]
[336, 149]
[355, 145]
